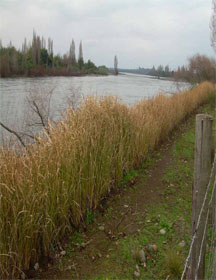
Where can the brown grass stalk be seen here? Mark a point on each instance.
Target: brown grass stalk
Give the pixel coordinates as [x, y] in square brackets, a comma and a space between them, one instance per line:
[47, 189]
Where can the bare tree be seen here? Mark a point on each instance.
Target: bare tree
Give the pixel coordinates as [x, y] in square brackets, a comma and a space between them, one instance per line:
[201, 68]
[213, 25]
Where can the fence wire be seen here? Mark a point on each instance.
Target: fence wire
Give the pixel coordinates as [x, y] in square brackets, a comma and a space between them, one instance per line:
[212, 254]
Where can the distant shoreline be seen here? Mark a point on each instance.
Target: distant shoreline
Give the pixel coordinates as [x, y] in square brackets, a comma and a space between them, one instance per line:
[148, 76]
[58, 75]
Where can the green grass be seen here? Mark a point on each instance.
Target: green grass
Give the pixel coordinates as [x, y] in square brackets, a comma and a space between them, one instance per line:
[173, 214]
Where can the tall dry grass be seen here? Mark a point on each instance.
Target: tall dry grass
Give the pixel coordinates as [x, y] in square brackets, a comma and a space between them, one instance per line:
[49, 188]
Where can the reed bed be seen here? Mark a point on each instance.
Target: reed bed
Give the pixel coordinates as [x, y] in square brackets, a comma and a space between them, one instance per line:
[46, 190]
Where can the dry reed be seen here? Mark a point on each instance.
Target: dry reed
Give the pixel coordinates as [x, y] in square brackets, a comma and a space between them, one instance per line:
[48, 189]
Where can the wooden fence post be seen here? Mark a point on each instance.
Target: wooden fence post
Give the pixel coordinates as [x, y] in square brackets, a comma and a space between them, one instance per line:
[202, 169]
[213, 272]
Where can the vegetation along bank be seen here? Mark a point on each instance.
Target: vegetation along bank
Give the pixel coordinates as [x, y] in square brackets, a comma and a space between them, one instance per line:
[47, 190]
[37, 58]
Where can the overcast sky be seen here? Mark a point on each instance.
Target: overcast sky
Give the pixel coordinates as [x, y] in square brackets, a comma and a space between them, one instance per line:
[140, 32]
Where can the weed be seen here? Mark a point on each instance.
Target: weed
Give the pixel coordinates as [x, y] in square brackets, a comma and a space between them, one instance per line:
[130, 176]
[77, 238]
[89, 217]
[166, 224]
[173, 264]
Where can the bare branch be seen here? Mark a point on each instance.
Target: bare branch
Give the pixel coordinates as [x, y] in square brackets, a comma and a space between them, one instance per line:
[39, 114]
[213, 26]
[15, 133]
[28, 135]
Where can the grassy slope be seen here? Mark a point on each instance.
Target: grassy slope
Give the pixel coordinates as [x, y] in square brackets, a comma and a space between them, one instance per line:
[172, 213]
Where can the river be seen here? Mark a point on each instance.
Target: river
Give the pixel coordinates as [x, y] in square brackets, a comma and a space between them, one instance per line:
[129, 88]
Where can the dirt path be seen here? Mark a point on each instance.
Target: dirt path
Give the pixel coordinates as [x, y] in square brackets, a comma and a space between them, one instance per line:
[87, 253]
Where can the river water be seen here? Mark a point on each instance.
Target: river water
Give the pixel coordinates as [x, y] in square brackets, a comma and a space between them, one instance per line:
[129, 88]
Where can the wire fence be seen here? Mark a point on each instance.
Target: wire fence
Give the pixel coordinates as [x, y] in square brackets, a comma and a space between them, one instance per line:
[208, 214]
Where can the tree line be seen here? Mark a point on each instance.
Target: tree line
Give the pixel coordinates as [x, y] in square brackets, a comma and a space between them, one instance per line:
[161, 71]
[36, 58]
[200, 68]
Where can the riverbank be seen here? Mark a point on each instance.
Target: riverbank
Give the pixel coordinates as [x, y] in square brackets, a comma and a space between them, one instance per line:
[149, 214]
[36, 74]
[149, 76]
[51, 189]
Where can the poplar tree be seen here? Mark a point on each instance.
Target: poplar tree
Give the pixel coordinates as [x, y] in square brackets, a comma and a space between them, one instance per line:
[115, 65]
[72, 56]
[34, 48]
[50, 52]
[80, 57]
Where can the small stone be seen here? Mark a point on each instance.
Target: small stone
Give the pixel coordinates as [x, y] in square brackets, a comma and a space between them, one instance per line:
[148, 221]
[137, 268]
[107, 256]
[36, 266]
[162, 231]
[154, 247]
[142, 256]
[126, 206]
[182, 243]
[137, 273]
[63, 253]
[101, 228]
